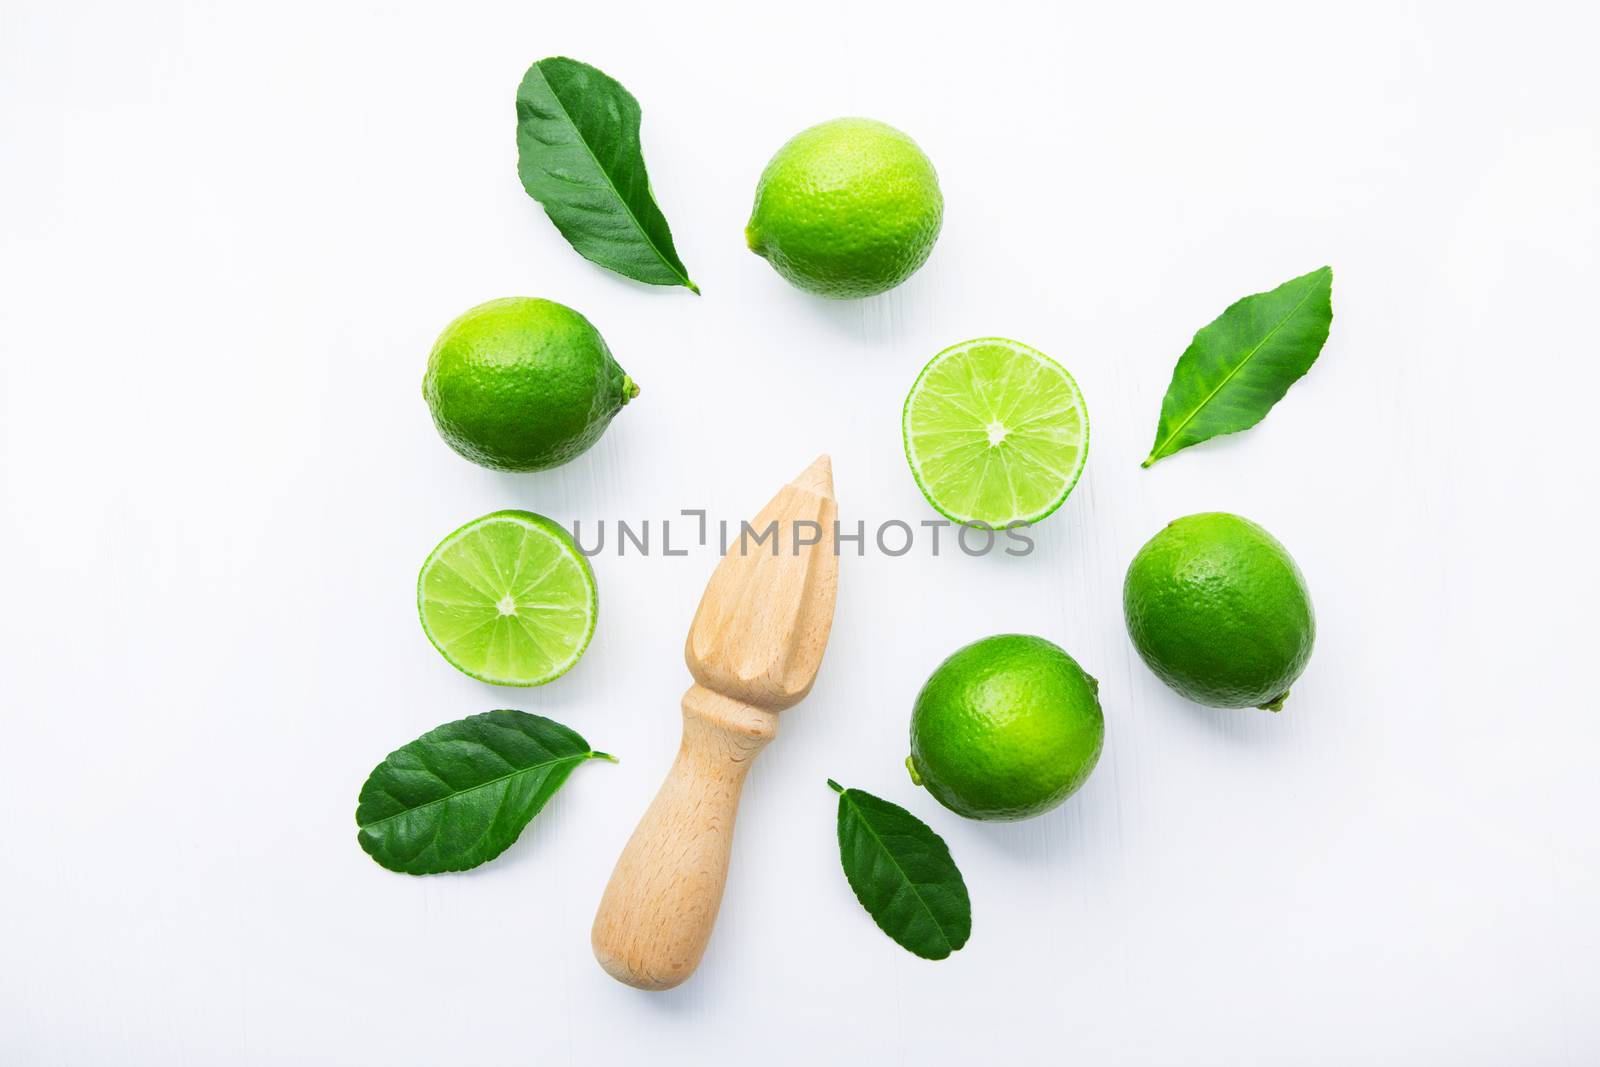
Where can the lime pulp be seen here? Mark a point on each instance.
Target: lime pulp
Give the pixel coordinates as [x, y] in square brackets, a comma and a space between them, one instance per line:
[508, 599]
[996, 433]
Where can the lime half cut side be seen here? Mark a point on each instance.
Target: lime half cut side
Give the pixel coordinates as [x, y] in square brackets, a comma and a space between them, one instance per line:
[996, 433]
[508, 599]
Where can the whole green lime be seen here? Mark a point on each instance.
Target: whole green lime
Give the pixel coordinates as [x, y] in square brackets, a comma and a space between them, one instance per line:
[1006, 728]
[1218, 609]
[846, 209]
[522, 384]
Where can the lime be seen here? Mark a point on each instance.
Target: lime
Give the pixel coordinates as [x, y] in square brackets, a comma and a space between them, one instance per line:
[1218, 609]
[508, 599]
[1007, 728]
[522, 384]
[996, 433]
[849, 208]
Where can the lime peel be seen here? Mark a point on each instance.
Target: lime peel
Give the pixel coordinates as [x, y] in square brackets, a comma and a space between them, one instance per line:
[911, 769]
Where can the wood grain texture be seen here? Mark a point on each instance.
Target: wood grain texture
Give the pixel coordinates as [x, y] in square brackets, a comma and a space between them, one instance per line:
[754, 648]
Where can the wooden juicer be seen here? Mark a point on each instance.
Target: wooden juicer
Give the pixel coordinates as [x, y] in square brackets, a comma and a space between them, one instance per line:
[754, 648]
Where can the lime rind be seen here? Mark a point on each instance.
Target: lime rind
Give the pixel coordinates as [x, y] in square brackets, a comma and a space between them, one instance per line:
[996, 433]
[508, 599]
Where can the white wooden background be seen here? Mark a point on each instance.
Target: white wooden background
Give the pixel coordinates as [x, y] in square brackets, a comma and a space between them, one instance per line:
[228, 237]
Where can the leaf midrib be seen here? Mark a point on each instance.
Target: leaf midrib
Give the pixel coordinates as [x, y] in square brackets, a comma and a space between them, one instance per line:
[626, 207]
[937, 925]
[1157, 452]
[574, 760]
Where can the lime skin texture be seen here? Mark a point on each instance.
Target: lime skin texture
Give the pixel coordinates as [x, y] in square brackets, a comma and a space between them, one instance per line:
[849, 208]
[1006, 728]
[1219, 611]
[523, 384]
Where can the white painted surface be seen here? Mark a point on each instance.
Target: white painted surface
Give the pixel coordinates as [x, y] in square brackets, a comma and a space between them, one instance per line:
[230, 235]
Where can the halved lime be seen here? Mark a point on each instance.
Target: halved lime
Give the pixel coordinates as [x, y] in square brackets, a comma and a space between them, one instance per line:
[508, 599]
[996, 433]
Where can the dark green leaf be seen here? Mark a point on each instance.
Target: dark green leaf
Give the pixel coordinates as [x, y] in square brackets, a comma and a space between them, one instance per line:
[460, 794]
[578, 155]
[903, 875]
[1240, 365]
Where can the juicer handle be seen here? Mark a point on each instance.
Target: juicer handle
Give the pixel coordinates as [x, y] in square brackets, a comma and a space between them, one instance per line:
[658, 910]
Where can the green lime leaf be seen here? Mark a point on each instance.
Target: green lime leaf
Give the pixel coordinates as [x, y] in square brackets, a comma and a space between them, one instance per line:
[903, 875]
[1241, 364]
[578, 154]
[460, 794]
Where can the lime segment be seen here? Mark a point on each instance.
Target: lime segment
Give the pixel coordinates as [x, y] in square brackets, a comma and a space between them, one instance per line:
[996, 433]
[508, 599]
